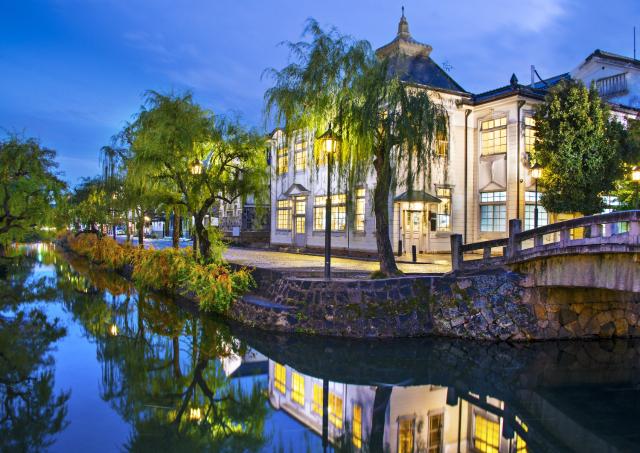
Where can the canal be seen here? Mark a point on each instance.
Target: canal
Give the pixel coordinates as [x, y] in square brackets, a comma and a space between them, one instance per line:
[89, 363]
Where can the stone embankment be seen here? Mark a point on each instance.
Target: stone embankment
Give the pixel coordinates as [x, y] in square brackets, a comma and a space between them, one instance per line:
[493, 304]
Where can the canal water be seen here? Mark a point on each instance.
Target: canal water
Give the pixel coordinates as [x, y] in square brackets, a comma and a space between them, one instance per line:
[90, 364]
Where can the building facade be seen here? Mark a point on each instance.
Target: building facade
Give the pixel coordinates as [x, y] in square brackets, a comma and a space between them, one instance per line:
[479, 180]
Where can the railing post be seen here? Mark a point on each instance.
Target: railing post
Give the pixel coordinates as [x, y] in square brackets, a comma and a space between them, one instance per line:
[609, 229]
[456, 252]
[538, 240]
[565, 236]
[486, 253]
[515, 227]
[596, 230]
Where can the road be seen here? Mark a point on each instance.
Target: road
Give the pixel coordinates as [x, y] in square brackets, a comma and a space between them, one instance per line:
[271, 259]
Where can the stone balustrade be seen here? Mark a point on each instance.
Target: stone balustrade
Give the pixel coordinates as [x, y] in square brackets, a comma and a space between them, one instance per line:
[615, 232]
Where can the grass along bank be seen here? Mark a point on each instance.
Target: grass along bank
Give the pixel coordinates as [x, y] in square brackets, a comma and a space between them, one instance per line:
[172, 271]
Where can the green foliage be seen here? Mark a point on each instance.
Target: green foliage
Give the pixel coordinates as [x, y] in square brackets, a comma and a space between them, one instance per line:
[196, 159]
[29, 188]
[627, 191]
[579, 146]
[173, 271]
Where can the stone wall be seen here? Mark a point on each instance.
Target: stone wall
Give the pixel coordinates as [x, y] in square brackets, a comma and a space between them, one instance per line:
[486, 305]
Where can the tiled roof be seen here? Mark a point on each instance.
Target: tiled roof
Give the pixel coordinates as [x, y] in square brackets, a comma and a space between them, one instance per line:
[612, 56]
[422, 70]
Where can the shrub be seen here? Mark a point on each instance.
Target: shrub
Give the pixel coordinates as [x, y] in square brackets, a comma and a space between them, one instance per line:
[162, 269]
[217, 286]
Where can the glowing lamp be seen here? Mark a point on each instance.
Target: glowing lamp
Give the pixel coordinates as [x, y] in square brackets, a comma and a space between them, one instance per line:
[635, 173]
[113, 330]
[196, 167]
[536, 171]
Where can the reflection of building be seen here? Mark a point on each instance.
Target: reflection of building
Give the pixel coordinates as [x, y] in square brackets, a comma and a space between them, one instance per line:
[252, 363]
[423, 418]
[480, 174]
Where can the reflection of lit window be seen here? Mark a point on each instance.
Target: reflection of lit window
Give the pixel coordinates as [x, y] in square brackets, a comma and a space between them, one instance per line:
[494, 136]
[444, 209]
[297, 388]
[317, 399]
[282, 161]
[280, 381]
[405, 435]
[436, 427]
[521, 445]
[283, 215]
[359, 217]
[357, 426]
[486, 434]
[335, 410]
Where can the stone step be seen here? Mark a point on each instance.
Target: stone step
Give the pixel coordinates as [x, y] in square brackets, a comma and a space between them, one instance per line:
[264, 303]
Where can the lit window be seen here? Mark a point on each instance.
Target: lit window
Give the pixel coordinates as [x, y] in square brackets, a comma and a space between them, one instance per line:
[405, 435]
[486, 435]
[283, 215]
[357, 426]
[282, 161]
[300, 156]
[493, 211]
[360, 205]
[297, 388]
[529, 133]
[316, 406]
[442, 144]
[280, 381]
[494, 136]
[300, 224]
[335, 410]
[444, 209]
[529, 211]
[436, 428]
[338, 212]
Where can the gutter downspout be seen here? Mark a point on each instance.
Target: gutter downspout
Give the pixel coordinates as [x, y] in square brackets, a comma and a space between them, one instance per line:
[467, 112]
[520, 105]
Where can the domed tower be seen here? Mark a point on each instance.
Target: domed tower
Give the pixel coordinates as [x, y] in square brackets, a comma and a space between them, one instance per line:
[411, 61]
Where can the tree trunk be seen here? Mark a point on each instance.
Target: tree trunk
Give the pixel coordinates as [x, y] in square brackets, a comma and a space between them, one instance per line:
[204, 244]
[176, 357]
[381, 209]
[167, 216]
[141, 230]
[127, 228]
[175, 238]
[114, 229]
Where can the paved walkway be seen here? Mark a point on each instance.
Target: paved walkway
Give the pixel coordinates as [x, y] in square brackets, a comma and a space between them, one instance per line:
[435, 263]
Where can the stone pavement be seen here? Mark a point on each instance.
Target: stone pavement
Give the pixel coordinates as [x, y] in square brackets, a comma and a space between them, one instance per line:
[271, 259]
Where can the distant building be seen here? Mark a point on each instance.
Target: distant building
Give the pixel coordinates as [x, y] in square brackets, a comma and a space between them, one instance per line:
[480, 179]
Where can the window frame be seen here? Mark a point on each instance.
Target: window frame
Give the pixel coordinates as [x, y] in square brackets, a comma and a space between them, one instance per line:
[297, 388]
[356, 425]
[494, 203]
[529, 211]
[493, 129]
[489, 419]
[336, 418]
[286, 213]
[338, 212]
[279, 384]
[441, 206]
[359, 218]
[282, 160]
[300, 156]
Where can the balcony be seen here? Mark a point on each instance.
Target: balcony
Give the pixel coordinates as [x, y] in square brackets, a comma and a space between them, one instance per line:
[612, 86]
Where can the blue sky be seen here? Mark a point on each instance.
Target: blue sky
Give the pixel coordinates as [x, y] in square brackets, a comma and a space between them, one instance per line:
[73, 71]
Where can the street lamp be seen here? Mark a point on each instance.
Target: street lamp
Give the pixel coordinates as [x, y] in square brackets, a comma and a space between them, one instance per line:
[635, 177]
[328, 145]
[196, 167]
[536, 173]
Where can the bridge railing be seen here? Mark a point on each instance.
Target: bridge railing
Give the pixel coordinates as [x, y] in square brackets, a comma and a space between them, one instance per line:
[614, 231]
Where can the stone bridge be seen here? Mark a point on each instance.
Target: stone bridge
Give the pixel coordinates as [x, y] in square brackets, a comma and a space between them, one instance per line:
[600, 251]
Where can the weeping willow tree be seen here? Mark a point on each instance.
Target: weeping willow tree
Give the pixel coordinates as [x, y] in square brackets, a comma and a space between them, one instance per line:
[386, 126]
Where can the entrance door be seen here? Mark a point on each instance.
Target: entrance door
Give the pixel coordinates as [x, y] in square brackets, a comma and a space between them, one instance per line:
[412, 230]
[300, 222]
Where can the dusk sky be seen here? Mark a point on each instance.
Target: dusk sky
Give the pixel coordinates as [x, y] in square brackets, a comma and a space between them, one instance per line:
[72, 72]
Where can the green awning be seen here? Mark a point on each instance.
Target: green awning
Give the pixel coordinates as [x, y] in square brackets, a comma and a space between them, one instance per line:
[417, 195]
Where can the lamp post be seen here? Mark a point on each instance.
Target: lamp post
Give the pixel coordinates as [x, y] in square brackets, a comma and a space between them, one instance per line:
[328, 143]
[536, 173]
[635, 177]
[196, 168]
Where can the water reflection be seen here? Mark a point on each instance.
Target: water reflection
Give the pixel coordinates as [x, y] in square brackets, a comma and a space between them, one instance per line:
[182, 382]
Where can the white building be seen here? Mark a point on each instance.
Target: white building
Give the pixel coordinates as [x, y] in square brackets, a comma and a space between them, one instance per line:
[479, 182]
